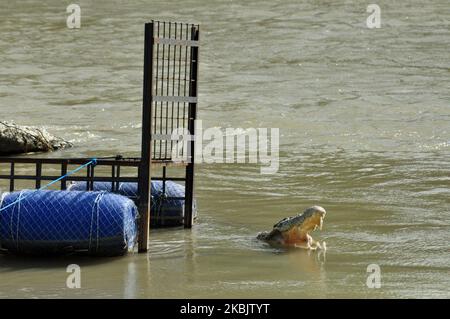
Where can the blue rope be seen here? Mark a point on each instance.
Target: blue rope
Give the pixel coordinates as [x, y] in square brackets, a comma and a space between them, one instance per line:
[91, 162]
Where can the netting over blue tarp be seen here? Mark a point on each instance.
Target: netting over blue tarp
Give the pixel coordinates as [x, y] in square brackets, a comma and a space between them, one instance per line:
[167, 208]
[52, 222]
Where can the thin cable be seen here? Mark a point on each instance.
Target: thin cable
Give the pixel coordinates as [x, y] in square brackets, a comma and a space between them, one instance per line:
[91, 162]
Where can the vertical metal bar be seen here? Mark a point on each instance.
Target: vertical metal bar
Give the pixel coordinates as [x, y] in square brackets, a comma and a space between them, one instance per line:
[156, 90]
[164, 180]
[91, 177]
[88, 173]
[38, 174]
[64, 172]
[186, 82]
[113, 178]
[162, 91]
[146, 147]
[118, 173]
[167, 92]
[11, 180]
[193, 83]
[173, 88]
[179, 81]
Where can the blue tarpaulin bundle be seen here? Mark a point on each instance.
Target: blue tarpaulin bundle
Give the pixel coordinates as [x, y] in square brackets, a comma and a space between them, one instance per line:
[167, 207]
[55, 222]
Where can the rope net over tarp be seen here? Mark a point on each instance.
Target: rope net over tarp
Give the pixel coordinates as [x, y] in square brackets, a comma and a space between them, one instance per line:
[167, 202]
[55, 222]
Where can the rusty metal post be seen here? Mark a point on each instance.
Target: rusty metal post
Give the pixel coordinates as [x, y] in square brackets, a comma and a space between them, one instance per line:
[146, 151]
[193, 85]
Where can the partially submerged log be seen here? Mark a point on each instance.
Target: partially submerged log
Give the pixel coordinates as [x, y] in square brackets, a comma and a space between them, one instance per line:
[15, 139]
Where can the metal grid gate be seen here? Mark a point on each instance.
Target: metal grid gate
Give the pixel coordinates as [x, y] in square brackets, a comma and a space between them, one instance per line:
[169, 103]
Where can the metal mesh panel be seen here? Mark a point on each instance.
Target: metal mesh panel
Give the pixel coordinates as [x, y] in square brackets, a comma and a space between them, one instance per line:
[173, 78]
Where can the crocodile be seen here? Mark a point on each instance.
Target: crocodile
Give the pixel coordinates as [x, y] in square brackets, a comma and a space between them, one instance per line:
[294, 231]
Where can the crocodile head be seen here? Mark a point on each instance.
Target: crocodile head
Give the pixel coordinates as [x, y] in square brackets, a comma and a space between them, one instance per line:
[294, 231]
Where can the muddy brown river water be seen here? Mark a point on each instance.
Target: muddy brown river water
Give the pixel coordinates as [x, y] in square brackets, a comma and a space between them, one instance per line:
[364, 120]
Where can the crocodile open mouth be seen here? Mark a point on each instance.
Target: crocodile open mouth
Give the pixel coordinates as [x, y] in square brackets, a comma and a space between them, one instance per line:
[295, 231]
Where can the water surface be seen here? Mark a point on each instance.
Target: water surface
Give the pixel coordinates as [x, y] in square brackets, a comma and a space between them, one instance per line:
[364, 119]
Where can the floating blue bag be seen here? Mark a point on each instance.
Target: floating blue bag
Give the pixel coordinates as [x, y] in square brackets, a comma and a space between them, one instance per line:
[54, 222]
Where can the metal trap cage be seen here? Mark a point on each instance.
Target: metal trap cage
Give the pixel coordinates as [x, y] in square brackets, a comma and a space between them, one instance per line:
[170, 84]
